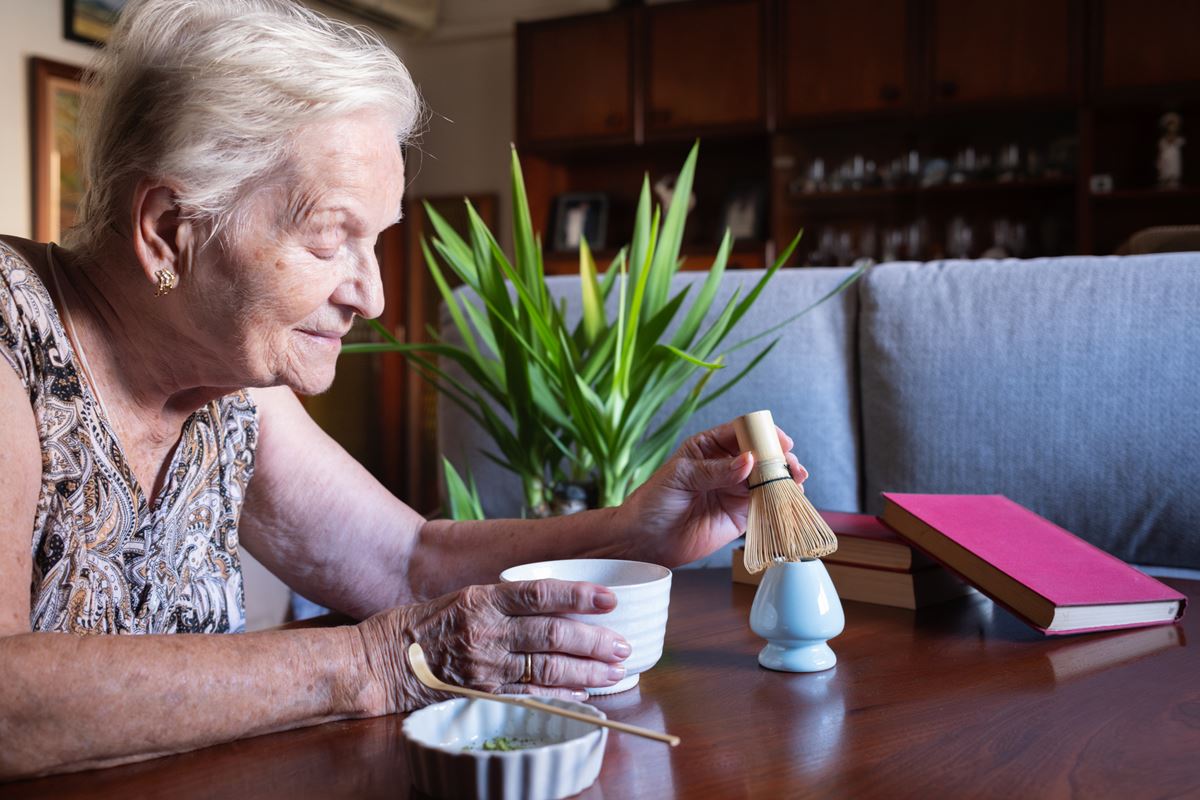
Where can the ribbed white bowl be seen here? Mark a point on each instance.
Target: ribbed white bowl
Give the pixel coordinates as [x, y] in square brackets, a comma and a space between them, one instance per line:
[643, 593]
[435, 738]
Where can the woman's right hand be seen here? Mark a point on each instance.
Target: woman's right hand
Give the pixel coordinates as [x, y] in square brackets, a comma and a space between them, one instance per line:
[478, 637]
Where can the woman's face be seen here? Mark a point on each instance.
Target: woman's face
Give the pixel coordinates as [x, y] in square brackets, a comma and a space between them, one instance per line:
[284, 287]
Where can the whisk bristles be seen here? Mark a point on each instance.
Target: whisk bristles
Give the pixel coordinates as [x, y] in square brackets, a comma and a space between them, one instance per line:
[784, 526]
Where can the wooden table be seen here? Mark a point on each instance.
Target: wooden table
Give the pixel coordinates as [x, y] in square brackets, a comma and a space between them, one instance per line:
[961, 700]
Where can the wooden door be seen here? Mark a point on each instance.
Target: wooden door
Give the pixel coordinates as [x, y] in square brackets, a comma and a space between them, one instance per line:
[1147, 43]
[705, 67]
[575, 80]
[984, 50]
[422, 461]
[843, 57]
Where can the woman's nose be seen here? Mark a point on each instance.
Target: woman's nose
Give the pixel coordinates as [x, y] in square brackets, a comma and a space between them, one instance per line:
[362, 290]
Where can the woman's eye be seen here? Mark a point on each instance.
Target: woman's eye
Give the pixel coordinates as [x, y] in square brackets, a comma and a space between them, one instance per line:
[326, 247]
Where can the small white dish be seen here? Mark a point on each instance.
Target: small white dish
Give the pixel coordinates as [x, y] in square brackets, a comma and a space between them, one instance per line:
[444, 743]
[643, 594]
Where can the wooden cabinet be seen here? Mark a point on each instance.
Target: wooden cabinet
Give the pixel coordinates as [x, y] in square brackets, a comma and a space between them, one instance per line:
[606, 98]
[843, 57]
[576, 80]
[984, 50]
[1144, 43]
[705, 66]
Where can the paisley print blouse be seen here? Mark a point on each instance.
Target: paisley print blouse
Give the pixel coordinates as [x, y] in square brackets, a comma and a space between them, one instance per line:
[106, 560]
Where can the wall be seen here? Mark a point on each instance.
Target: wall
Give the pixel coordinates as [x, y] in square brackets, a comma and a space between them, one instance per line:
[466, 70]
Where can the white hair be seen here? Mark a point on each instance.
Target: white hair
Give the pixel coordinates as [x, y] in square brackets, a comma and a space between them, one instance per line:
[207, 95]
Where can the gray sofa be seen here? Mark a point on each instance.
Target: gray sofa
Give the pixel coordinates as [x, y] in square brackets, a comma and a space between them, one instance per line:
[1072, 385]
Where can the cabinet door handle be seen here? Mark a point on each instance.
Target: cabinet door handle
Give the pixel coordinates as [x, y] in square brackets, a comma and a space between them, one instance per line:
[948, 88]
[890, 92]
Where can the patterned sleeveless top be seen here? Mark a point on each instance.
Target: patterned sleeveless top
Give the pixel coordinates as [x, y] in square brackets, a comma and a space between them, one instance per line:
[104, 559]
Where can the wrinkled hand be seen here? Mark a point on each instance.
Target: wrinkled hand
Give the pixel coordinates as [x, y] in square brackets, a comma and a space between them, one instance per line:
[478, 636]
[697, 501]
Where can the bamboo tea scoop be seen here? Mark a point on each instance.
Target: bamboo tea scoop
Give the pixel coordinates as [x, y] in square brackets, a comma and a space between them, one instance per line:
[420, 667]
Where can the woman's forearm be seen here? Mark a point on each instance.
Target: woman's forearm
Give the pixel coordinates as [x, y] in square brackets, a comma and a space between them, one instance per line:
[450, 554]
[69, 703]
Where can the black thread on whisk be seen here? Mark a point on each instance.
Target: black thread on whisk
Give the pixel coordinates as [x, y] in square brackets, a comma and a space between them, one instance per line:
[772, 480]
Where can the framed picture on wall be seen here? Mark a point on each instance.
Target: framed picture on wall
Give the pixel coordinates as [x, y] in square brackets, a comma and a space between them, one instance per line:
[580, 214]
[57, 176]
[90, 21]
[743, 212]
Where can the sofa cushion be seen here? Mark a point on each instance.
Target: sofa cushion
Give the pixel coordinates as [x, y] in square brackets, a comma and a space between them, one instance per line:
[807, 381]
[1068, 384]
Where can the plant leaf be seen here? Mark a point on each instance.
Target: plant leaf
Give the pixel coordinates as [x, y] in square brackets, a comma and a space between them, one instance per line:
[670, 239]
[718, 364]
[691, 322]
[463, 496]
[593, 301]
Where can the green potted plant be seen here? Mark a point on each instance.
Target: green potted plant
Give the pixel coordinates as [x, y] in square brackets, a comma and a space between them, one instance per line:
[581, 399]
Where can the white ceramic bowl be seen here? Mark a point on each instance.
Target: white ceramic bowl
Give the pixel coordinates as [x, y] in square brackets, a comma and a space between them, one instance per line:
[643, 593]
[443, 743]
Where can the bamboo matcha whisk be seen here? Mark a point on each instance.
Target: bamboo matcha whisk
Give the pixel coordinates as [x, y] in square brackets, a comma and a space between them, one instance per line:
[782, 524]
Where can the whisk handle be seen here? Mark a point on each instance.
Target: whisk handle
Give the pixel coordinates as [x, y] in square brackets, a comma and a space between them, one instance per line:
[756, 432]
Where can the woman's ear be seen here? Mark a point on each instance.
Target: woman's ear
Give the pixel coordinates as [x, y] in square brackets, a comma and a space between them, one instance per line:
[162, 239]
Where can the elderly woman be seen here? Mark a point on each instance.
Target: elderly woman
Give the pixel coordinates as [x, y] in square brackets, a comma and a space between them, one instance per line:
[242, 157]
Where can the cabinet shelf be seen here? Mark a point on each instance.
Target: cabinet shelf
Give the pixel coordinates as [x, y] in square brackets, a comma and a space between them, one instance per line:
[941, 190]
[817, 78]
[1153, 195]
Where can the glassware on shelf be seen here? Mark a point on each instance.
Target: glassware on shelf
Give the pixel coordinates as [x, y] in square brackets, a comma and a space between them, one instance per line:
[934, 172]
[867, 238]
[858, 172]
[966, 166]
[1019, 242]
[1001, 240]
[814, 177]
[912, 167]
[844, 248]
[892, 247]
[959, 238]
[916, 240]
[822, 255]
[1008, 163]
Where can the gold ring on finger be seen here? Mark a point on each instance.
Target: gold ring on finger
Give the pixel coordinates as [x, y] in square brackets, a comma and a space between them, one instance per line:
[527, 677]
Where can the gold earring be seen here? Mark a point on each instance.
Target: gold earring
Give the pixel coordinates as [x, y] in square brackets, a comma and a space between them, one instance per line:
[166, 281]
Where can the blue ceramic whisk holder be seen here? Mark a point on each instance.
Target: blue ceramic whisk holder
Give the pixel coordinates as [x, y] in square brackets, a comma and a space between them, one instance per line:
[797, 610]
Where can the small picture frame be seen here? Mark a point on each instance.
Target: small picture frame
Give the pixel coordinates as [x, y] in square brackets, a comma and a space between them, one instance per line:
[743, 213]
[578, 215]
[90, 21]
[55, 90]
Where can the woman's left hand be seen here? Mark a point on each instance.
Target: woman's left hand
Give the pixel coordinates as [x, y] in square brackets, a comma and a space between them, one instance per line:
[698, 500]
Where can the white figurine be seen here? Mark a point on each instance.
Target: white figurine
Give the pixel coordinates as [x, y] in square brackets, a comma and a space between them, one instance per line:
[664, 189]
[1170, 151]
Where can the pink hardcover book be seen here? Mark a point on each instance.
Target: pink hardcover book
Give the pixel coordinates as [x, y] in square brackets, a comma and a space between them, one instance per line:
[1044, 574]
